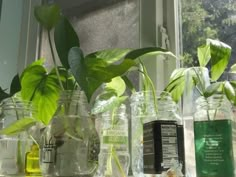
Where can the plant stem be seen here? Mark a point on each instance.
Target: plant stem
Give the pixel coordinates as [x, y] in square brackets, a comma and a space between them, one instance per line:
[54, 60]
[149, 81]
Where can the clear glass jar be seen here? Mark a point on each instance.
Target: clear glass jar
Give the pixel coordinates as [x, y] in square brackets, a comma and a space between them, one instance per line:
[13, 149]
[114, 152]
[214, 137]
[70, 144]
[146, 114]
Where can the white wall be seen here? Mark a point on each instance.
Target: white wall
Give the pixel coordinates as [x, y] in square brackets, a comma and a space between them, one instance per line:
[10, 26]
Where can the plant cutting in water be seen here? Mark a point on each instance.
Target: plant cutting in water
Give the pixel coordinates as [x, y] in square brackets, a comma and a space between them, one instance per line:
[214, 55]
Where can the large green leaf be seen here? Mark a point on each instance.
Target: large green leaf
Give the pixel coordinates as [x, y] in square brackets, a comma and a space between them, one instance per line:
[47, 15]
[134, 54]
[220, 56]
[91, 72]
[176, 88]
[15, 85]
[204, 54]
[65, 38]
[43, 89]
[79, 70]
[18, 126]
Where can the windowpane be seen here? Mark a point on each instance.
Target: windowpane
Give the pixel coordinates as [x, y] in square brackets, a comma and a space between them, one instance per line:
[199, 20]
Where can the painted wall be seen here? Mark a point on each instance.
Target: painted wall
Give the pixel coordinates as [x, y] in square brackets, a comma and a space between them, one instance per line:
[10, 25]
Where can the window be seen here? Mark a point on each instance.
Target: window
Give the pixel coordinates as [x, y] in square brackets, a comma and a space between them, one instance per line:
[199, 20]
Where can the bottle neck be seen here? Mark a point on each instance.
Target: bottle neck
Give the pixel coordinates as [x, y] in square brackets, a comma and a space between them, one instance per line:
[216, 101]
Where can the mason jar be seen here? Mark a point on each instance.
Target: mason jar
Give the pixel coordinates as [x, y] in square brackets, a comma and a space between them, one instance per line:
[70, 144]
[114, 158]
[13, 148]
[153, 119]
[214, 137]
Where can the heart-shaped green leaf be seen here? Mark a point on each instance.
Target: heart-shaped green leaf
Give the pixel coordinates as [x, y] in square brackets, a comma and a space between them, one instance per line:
[42, 89]
[220, 56]
[47, 15]
[204, 54]
[18, 126]
[65, 38]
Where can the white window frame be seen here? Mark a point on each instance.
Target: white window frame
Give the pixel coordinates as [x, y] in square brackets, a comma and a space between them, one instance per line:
[29, 36]
[153, 14]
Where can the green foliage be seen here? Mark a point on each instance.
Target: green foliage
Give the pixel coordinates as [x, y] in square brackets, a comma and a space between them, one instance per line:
[220, 56]
[65, 38]
[42, 89]
[217, 54]
[47, 15]
[14, 88]
[18, 126]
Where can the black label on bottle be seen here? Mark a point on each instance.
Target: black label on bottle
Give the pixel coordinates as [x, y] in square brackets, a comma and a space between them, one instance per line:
[160, 146]
[49, 153]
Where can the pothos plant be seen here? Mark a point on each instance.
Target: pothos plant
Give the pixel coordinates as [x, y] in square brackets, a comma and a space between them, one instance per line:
[214, 55]
[88, 72]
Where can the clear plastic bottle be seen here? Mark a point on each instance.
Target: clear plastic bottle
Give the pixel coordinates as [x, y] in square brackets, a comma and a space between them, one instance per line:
[157, 134]
[114, 152]
[14, 148]
[70, 144]
[214, 136]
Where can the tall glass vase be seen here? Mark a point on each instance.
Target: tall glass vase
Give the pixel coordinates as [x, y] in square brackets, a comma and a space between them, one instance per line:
[70, 144]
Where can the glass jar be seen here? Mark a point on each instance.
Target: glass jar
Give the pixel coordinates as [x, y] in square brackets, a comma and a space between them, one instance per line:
[70, 144]
[149, 121]
[214, 137]
[13, 149]
[114, 152]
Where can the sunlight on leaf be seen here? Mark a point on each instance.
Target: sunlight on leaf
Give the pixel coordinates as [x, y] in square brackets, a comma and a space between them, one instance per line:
[220, 56]
[204, 54]
[43, 89]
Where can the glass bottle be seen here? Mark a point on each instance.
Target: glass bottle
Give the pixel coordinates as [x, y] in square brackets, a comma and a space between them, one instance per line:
[14, 148]
[114, 150]
[214, 137]
[157, 134]
[32, 161]
[70, 144]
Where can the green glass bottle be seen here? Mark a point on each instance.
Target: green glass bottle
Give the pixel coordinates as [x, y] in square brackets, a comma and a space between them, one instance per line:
[214, 137]
[32, 161]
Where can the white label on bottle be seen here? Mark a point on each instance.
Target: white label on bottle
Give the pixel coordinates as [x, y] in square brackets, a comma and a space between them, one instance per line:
[169, 144]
